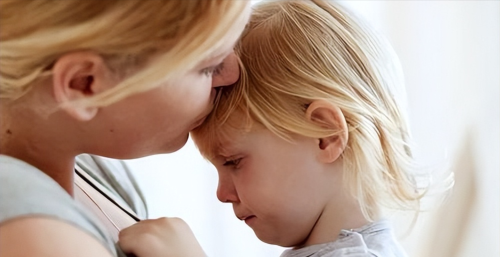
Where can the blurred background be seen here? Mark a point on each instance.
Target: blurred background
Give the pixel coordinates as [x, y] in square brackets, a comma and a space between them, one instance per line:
[450, 54]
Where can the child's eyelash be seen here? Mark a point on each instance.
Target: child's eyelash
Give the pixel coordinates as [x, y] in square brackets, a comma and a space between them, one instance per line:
[214, 70]
[232, 162]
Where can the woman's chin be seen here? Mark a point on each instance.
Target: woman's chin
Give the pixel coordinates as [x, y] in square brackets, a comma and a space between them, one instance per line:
[172, 145]
[177, 144]
[197, 123]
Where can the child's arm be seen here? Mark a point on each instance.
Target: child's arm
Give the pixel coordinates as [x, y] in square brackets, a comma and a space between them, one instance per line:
[165, 237]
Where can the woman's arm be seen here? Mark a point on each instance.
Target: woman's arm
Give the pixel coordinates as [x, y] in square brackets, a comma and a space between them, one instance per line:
[41, 236]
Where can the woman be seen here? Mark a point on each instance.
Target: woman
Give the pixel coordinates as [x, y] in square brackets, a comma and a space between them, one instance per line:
[121, 79]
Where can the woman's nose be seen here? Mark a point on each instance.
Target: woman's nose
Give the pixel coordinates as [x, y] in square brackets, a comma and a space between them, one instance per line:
[230, 72]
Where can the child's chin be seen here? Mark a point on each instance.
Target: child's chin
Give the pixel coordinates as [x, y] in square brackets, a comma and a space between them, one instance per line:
[278, 240]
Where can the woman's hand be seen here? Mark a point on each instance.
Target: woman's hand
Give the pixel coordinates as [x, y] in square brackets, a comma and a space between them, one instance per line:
[165, 237]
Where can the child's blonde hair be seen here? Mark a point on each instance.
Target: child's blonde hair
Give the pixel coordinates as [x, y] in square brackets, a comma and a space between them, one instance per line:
[295, 52]
[35, 33]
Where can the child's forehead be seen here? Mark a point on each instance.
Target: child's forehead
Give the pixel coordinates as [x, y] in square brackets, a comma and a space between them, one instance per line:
[232, 134]
[223, 144]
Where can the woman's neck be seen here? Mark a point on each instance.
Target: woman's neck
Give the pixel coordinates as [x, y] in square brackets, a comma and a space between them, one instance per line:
[32, 139]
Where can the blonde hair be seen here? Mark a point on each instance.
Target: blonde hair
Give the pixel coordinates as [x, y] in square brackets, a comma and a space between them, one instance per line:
[35, 33]
[296, 52]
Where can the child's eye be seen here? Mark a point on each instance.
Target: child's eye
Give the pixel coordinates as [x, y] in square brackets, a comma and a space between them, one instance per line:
[232, 162]
[213, 70]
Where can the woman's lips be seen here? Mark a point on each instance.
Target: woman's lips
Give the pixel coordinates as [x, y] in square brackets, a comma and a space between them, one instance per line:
[213, 95]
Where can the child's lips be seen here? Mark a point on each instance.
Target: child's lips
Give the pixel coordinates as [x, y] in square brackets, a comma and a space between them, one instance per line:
[247, 218]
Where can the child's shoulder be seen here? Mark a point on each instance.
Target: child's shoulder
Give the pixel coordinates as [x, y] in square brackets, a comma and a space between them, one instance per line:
[373, 240]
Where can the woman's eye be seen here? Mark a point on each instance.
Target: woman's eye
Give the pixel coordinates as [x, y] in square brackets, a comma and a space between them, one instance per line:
[232, 162]
[213, 70]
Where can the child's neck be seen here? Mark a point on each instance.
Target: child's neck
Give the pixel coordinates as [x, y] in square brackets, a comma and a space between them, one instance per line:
[339, 214]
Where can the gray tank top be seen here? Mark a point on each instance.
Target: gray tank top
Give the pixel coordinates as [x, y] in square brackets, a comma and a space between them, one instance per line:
[27, 191]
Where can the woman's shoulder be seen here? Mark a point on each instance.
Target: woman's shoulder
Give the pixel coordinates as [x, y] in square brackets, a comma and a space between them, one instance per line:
[27, 193]
[26, 190]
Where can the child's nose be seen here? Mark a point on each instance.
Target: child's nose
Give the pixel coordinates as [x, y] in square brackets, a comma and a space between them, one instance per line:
[226, 191]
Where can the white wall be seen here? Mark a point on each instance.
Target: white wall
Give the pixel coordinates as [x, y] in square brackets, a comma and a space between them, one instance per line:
[450, 53]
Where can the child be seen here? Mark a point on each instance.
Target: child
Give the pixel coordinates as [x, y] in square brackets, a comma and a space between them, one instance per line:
[311, 143]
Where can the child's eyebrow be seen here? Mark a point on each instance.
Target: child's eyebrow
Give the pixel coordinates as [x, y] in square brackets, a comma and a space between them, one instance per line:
[225, 148]
[222, 151]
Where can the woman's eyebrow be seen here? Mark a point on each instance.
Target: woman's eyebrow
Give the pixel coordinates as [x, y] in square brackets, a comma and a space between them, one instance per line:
[219, 53]
[217, 56]
[211, 58]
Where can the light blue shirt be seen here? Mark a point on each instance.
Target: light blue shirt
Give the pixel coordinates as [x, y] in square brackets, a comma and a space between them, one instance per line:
[27, 191]
[373, 240]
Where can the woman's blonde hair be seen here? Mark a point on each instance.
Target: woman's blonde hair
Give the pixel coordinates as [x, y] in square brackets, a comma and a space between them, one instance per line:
[296, 52]
[35, 33]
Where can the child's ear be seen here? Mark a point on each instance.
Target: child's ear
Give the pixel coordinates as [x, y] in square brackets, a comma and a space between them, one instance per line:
[80, 75]
[329, 116]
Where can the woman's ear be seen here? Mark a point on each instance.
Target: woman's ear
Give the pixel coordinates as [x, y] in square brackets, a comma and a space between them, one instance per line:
[329, 116]
[80, 75]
